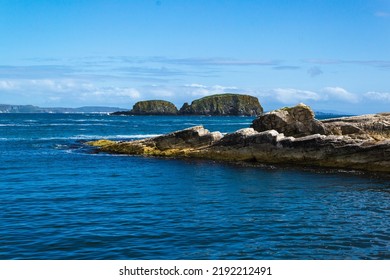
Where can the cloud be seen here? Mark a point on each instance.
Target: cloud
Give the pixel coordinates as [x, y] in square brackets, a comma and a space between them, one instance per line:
[323, 61]
[378, 96]
[158, 91]
[7, 85]
[113, 92]
[339, 93]
[286, 67]
[67, 91]
[34, 71]
[196, 61]
[209, 61]
[382, 14]
[198, 90]
[314, 71]
[41, 85]
[150, 71]
[292, 96]
[373, 63]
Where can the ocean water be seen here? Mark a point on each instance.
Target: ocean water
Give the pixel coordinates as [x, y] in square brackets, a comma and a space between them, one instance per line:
[59, 199]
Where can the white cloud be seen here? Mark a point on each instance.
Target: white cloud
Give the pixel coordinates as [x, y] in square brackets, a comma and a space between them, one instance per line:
[159, 92]
[198, 90]
[382, 14]
[195, 86]
[292, 96]
[7, 85]
[67, 91]
[339, 93]
[43, 85]
[378, 96]
[112, 92]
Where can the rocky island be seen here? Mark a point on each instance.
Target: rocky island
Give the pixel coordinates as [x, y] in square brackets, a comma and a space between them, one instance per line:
[285, 136]
[227, 104]
[151, 107]
[224, 105]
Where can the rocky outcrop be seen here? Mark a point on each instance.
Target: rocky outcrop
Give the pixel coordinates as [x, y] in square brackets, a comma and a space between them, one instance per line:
[292, 121]
[172, 144]
[227, 104]
[361, 143]
[374, 127]
[224, 105]
[151, 107]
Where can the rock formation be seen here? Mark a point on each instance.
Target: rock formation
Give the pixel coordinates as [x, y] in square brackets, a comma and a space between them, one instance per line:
[151, 107]
[361, 143]
[294, 121]
[224, 105]
[172, 144]
[374, 127]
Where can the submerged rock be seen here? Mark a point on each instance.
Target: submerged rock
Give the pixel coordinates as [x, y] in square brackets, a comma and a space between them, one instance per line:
[224, 105]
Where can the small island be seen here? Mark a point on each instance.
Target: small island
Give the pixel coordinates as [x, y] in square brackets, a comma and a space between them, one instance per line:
[227, 104]
[150, 107]
[289, 135]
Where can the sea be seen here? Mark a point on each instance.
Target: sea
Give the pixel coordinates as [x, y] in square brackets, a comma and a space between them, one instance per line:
[61, 199]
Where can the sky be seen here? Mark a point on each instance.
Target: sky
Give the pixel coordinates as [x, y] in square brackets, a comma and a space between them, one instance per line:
[333, 55]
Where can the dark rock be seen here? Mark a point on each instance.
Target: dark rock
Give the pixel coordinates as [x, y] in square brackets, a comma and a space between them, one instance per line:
[224, 105]
[294, 121]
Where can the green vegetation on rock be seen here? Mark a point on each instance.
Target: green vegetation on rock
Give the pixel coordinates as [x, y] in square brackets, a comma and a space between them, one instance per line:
[227, 104]
[154, 107]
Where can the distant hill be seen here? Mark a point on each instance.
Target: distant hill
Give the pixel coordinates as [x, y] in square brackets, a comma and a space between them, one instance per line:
[4, 108]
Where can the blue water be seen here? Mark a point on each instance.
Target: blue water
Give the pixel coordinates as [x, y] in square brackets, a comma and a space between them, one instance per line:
[59, 199]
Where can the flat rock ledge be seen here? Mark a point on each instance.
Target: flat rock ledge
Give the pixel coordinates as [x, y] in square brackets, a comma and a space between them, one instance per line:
[268, 147]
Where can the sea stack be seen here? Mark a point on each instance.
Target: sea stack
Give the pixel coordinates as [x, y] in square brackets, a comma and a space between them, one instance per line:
[227, 104]
[151, 107]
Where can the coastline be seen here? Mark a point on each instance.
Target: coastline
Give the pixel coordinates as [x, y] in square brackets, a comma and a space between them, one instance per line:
[355, 143]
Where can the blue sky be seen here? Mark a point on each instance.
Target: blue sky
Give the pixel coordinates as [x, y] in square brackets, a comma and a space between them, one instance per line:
[329, 54]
